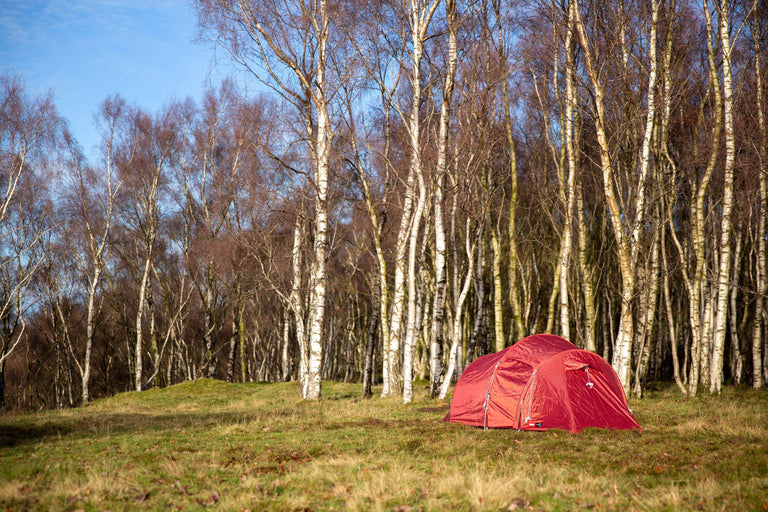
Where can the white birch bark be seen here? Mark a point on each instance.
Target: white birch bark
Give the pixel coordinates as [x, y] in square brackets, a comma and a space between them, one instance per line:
[308, 64]
[647, 314]
[148, 208]
[436, 338]
[696, 285]
[138, 376]
[390, 370]
[737, 362]
[517, 329]
[514, 260]
[670, 317]
[318, 277]
[377, 226]
[587, 273]
[723, 285]
[420, 16]
[568, 187]
[419, 26]
[285, 374]
[762, 257]
[668, 166]
[409, 344]
[498, 297]
[628, 243]
[295, 302]
[98, 242]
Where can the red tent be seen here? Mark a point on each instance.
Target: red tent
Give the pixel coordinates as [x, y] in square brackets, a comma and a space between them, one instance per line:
[541, 382]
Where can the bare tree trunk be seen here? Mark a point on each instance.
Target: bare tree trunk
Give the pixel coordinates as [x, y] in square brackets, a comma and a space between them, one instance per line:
[647, 314]
[762, 250]
[667, 165]
[322, 154]
[379, 319]
[436, 339]
[718, 349]
[286, 362]
[698, 221]
[242, 337]
[498, 311]
[670, 317]
[454, 354]
[98, 242]
[295, 302]
[138, 377]
[409, 344]
[391, 371]
[587, 273]
[232, 351]
[568, 192]
[479, 287]
[370, 341]
[628, 245]
[236, 338]
[420, 17]
[737, 362]
[210, 323]
[517, 330]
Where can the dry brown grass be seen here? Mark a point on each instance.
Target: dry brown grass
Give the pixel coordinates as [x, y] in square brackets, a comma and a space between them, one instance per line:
[209, 445]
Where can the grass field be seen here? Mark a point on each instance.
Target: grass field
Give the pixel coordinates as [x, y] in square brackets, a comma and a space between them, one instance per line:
[210, 445]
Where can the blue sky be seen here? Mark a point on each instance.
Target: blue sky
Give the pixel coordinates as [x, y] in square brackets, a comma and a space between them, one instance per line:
[85, 50]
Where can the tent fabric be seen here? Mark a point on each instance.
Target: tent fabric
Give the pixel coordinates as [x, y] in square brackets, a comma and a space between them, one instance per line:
[541, 382]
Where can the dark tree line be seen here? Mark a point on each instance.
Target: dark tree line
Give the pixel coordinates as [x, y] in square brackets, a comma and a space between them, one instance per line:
[427, 182]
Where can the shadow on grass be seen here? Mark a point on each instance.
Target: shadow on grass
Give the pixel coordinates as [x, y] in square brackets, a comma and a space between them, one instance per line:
[15, 432]
[99, 425]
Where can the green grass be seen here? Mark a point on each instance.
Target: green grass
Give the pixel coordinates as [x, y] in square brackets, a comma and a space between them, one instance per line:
[210, 445]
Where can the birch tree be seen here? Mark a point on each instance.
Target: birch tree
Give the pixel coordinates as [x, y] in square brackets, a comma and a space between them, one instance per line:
[210, 185]
[454, 354]
[29, 129]
[694, 262]
[568, 185]
[407, 25]
[364, 173]
[517, 329]
[142, 168]
[287, 45]
[724, 272]
[93, 202]
[419, 18]
[625, 230]
[436, 339]
[762, 250]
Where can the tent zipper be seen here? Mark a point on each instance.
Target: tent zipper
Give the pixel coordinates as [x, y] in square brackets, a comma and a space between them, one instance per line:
[487, 397]
[530, 395]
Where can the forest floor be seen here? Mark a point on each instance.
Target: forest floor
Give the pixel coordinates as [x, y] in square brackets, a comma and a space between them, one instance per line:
[211, 445]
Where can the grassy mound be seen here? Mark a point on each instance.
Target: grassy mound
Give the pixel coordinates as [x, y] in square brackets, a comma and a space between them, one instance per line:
[208, 444]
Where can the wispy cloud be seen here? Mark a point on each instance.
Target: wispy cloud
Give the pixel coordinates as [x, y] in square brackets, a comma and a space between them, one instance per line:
[87, 49]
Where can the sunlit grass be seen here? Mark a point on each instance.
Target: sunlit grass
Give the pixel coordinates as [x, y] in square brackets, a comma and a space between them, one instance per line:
[211, 445]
